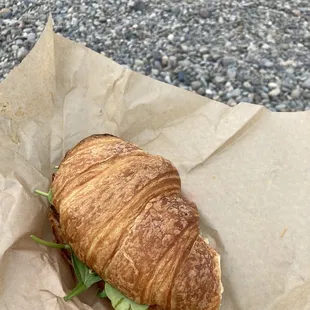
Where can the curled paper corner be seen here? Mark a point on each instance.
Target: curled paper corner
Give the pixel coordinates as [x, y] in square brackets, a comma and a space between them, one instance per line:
[50, 21]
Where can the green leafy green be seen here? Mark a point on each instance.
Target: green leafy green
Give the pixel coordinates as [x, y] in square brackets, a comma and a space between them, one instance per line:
[83, 273]
[80, 288]
[49, 195]
[102, 294]
[85, 276]
[119, 301]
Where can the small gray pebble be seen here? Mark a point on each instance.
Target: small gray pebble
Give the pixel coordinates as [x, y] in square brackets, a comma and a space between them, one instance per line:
[21, 53]
[272, 85]
[137, 5]
[275, 92]
[295, 93]
[19, 42]
[205, 13]
[306, 84]
[231, 73]
[184, 48]
[231, 102]
[247, 85]
[281, 107]
[203, 50]
[257, 99]
[219, 79]
[209, 92]
[251, 96]
[288, 83]
[164, 60]
[157, 65]
[305, 76]
[172, 61]
[306, 95]
[246, 99]
[292, 104]
[139, 63]
[266, 63]
[300, 105]
[227, 61]
[266, 102]
[168, 79]
[185, 63]
[74, 22]
[31, 37]
[236, 93]
[170, 37]
[196, 85]
[228, 86]
[265, 89]
[201, 91]
[5, 13]
[155, 72]
[290, 71]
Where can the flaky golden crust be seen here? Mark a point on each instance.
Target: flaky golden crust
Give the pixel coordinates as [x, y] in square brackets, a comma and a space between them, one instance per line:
[58, 238]
[122, 212]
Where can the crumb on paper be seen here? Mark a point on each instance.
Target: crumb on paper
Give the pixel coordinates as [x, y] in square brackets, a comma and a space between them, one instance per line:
[283, 232]
[214, 177]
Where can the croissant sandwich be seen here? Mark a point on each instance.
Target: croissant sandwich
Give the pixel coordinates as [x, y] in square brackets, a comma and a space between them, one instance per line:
[119, 217]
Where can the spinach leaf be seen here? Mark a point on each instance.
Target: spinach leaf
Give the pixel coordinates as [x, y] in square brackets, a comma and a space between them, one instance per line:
[119, 301]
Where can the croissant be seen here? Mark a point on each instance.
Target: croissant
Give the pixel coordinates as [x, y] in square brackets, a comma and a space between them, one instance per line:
[122, 212]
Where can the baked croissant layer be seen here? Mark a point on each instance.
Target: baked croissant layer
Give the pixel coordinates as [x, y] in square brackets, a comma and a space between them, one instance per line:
[122, 212]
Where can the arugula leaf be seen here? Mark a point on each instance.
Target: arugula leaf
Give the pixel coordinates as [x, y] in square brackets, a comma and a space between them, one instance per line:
[102, 294]
[85, 276]
[94, 278]
[49, 195]
[119, 301]
[83, 273]
[50, 244]
[80, 288]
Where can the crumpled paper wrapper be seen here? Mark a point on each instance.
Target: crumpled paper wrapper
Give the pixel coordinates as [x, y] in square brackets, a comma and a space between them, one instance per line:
[247, 169]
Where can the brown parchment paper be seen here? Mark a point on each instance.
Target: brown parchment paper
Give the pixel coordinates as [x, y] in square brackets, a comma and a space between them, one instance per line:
[247, 169]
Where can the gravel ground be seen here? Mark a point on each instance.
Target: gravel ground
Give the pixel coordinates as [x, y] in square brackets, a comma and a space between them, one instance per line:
[229, 50]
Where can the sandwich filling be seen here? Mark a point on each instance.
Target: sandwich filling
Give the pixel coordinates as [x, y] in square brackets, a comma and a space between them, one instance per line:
[85, 276]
